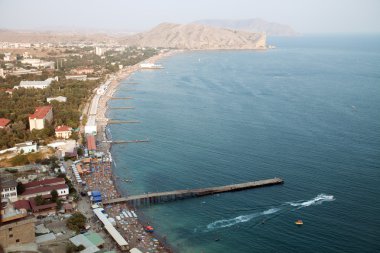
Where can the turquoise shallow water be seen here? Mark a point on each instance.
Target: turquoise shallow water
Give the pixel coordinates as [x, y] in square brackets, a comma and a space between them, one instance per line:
[308, 111]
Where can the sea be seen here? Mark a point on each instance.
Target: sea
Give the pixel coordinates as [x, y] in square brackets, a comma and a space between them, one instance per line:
[307, 111]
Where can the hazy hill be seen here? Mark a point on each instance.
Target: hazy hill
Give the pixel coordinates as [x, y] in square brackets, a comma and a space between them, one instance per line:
[251, 25]
[196, 36]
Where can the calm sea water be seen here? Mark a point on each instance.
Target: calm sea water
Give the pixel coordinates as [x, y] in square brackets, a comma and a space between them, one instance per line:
[308, 112]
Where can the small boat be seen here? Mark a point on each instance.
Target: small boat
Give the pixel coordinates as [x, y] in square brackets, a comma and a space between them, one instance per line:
[299, 222]
[149, 229]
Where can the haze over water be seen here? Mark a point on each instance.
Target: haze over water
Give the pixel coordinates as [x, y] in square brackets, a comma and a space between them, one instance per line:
[307, 112]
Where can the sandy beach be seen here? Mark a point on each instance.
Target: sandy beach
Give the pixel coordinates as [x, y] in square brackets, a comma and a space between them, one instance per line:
[102, 178]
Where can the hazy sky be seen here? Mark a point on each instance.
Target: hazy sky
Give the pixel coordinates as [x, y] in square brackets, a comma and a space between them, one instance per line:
[305, 16]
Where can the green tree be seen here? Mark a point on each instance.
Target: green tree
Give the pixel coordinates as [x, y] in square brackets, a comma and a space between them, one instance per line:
[20, 188]
[54, 195]
[76, 222]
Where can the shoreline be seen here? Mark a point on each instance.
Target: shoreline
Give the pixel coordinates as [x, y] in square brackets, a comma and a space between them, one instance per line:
[102, 124]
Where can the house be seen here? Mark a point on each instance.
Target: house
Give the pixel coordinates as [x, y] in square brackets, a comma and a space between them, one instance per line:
[38, 119]
[36, 84]
[26, 147]
[63, 132]
[44, 187]
[8, 189]
[4, 122]
[59, 99]
[45, 209]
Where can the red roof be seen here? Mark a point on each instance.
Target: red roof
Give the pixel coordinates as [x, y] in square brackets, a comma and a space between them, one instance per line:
[45, 182]
[36, 208]
[22, 204]
[44, 189]
[4, 122]
[91, 145]
[63, 128]
[41, 112]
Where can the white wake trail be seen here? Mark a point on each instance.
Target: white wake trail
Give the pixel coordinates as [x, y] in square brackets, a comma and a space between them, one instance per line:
[319, 199]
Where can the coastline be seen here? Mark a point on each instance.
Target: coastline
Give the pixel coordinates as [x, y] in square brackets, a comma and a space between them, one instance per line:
[102, 123]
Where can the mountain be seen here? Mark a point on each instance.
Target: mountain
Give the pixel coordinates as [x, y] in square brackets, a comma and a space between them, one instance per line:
[251, 25]
[196, 36]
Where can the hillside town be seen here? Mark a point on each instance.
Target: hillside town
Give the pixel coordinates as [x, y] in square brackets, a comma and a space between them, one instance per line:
[55, 167]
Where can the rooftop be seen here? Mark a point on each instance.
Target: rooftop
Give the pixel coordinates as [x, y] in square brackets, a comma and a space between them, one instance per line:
[44, 189]
[7, 183]
[91, 145]
[45, 182]
[41, 112]
[63, 128]
[4, 122]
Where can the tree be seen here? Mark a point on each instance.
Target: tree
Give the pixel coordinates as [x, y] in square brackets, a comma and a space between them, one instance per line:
[20, 188]
[54, 195]
[76, 222]
[39, 200]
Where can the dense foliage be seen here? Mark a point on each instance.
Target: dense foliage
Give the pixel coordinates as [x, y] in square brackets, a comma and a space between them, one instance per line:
[76, 222]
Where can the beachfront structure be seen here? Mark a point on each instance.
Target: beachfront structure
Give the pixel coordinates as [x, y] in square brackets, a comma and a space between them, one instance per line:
[91, 144]
[4, 122]
[90, 127]
[8, 189]
[59, 99]
[44, 187]
[63, 132]
[38, 119]
[119, 239]
[36, 84]
[26, 147]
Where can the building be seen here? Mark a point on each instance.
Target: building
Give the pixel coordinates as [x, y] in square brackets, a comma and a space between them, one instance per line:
[2, 73]
[99, 51]
[77, 77]
[16, 227]
[36, 84]
[63, 132]
[8, 189]
[40, 117]
[4, 122]
[82, 71]
[21, 71]
[26, 147]
[91, 144]
[39, 63]
[59, 99]
[44, 187]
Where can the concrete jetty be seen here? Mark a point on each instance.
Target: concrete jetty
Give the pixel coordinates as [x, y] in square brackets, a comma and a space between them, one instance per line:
[123, 121]
[121, 108]
[157, 197]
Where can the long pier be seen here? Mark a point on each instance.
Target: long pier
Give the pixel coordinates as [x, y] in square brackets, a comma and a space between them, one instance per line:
[114, 98]
[127, 108]
[123, 121]
[128, 141]
[157, 197]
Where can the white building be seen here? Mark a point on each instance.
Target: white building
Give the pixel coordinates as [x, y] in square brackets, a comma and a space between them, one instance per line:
[77, 77]
[26, 147]
[59, 99]
[99, 51]
[39, 63]
[8, 189]
[36, 84]
[41, 115]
